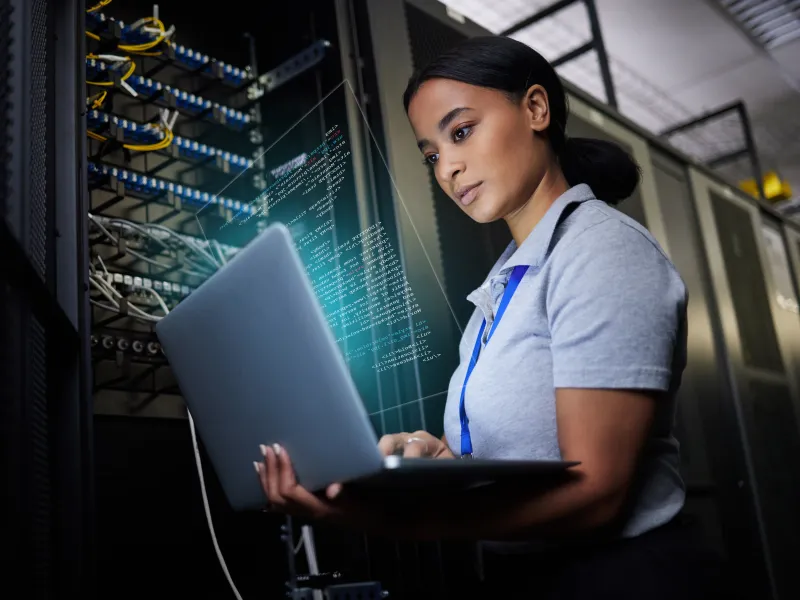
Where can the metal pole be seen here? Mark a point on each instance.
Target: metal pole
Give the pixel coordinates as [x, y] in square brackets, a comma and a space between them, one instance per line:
[717, 112]
[750, 143]
[602, 57]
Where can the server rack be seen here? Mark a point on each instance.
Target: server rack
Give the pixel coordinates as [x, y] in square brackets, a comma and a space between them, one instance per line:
[45, 413]
[764, 381]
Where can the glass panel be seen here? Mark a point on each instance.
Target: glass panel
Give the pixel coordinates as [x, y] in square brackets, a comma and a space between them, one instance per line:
[391, 319]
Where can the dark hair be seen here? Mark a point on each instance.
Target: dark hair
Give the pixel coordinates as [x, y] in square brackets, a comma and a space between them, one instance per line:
[511, 67]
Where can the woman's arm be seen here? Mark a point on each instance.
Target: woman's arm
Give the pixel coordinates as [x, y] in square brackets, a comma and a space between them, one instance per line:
[603, 429]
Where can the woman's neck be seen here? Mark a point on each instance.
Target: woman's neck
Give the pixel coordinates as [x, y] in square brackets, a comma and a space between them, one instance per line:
[523, 220]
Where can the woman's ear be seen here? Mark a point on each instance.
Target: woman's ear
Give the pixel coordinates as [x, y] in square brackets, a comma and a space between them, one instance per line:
[537, 107]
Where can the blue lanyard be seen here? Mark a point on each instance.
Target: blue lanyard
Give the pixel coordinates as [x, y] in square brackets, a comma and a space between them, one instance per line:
[513, 282]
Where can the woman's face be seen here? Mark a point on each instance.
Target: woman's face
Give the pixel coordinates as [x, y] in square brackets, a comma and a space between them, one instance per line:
[482, 147]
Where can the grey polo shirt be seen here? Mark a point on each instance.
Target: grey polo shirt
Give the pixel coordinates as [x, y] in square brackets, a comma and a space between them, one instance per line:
[601, 306]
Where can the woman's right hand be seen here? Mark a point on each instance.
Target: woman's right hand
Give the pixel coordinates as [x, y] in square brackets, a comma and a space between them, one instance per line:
[419, 444]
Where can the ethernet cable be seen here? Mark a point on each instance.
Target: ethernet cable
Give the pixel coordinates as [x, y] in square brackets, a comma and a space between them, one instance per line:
[114, 240]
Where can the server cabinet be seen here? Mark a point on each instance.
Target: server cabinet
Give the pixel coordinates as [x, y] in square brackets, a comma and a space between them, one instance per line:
[764, 386]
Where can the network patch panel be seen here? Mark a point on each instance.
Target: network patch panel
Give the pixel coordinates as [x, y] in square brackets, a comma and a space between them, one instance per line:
[152, 186]
[186, 57]
[98, 70]
[129, 228]
[167, 289]
[195, 60]
[144, 134]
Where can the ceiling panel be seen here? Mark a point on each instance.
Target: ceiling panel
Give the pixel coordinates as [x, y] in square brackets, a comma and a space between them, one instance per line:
[674, 42]
[788, 56]
[756, 81]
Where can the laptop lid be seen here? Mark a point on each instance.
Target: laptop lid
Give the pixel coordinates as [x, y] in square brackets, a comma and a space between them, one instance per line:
[257, 363]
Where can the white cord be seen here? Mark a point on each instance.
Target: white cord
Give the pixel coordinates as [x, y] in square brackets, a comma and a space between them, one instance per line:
[311, 556]
[102, 264]
[207, 508]
[109, 292]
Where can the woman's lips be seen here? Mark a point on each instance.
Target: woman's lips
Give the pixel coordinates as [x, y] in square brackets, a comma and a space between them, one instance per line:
[472, 193]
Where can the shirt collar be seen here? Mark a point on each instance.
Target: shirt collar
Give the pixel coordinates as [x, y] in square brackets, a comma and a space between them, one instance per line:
[533, 250]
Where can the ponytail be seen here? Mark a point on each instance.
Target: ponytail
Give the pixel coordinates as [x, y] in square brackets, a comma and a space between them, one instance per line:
[604, 166]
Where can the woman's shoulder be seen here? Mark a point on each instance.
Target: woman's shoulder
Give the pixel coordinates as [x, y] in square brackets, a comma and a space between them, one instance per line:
[595, 227]
[603, 249]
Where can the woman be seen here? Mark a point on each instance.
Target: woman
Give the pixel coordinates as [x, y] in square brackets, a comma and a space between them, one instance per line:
[587, 320]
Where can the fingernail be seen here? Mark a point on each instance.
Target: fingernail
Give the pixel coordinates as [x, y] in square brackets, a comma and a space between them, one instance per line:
[257, 465]
[263, 449]
[277, 449]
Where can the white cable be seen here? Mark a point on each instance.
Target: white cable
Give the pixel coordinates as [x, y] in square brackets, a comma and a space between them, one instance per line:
[220, 252]
[158, 296]
[115, 309]
[311, 556]
[99, 225]
[104, 292]
[102, 264]
[207, 508]
[103, 287]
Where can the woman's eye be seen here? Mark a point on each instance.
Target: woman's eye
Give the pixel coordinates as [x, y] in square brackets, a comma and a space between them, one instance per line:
[461, 133]
[430, 159]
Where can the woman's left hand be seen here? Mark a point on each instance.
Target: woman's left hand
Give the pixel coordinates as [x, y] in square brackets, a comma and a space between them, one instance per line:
[285, 495]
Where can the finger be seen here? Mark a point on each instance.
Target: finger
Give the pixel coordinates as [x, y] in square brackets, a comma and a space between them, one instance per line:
[262, 476]
[415, 448]
[273, 486]
[390, 444]
[333, 490]
[287, 480]
[295, 495]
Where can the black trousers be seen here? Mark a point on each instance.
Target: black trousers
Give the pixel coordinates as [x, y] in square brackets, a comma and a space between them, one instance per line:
[671, 562]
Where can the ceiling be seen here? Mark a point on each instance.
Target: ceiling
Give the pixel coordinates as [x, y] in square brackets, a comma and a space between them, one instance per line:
[672, 60]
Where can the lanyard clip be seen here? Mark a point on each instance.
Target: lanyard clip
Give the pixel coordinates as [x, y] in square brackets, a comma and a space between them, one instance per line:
[466, 456]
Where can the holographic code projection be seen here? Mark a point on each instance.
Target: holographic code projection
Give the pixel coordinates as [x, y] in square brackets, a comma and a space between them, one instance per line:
[382, 326]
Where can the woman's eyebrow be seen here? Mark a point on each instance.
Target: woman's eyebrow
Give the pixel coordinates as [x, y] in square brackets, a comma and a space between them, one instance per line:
[444, 122]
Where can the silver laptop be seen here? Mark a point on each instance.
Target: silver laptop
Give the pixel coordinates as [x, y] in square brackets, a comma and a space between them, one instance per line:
[257, 363]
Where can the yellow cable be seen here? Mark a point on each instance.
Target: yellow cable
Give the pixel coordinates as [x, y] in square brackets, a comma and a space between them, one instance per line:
[130, 71]
[168, 137]
[96, 136]
[94, 36]
[99, 5]
[146, 45]
[98, 99]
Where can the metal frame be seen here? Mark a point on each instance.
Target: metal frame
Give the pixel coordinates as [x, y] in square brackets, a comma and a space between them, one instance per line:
[596, 43]
[749, 149]
[787, 323]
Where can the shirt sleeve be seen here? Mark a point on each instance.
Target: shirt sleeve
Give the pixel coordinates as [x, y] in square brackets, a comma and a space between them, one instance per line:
[616, 308]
